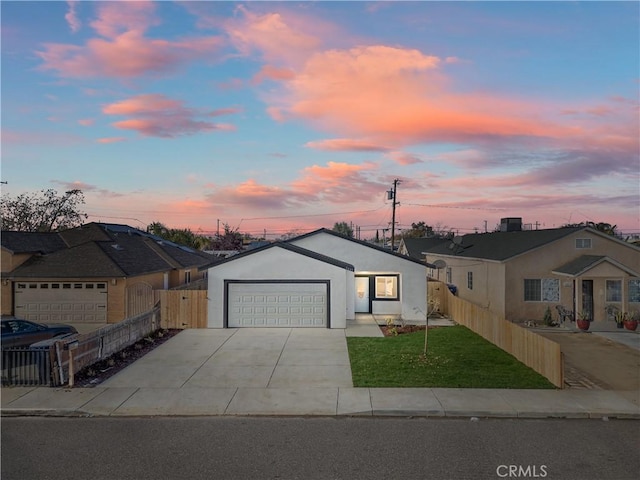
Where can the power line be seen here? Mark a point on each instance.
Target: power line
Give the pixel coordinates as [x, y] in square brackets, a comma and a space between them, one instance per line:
[455, 206]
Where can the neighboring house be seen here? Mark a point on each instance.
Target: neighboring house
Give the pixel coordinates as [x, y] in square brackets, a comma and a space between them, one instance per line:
[320, 279]
[415, 248]
[518, 274]
[96, 273]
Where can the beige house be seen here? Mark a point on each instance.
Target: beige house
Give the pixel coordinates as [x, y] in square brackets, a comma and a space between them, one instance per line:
[518, 274]
[94, 274]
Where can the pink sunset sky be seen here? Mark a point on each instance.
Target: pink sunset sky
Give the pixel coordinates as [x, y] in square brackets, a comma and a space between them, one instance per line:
[286, 117]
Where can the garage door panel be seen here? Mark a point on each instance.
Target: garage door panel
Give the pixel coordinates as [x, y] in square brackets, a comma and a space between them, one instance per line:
[277, 305]
[48, 303]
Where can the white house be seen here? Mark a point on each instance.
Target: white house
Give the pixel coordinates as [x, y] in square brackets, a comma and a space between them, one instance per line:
[319, 279]
[385, 282]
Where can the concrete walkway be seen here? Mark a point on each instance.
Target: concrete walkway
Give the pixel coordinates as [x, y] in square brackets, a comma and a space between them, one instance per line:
[288, 372]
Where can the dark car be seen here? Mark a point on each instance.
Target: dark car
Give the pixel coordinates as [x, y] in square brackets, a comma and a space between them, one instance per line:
[17, 332]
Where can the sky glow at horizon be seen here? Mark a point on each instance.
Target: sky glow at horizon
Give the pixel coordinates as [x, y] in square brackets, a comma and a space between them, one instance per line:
[279, 117]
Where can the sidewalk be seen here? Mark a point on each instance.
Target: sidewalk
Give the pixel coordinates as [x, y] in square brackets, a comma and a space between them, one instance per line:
[419, 402]
[296, 372]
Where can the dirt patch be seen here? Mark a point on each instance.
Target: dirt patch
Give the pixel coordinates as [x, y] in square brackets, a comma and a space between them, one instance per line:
[99, 372]
[399, 330]
[602, 362]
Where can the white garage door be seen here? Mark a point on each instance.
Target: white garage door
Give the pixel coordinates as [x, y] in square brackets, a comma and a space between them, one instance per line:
[277, 305]
[66, 302]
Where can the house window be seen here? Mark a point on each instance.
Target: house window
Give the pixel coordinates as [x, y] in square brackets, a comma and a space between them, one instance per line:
[532, 290]
[634, 290]
[541, 290]
[550, 290]
[449, 275]
[387, 287]
[187, 276]
[470, 280]
[583, 243]
[614, 290]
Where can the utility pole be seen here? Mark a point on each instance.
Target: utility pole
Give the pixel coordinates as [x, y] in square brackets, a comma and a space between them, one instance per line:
[391, 195]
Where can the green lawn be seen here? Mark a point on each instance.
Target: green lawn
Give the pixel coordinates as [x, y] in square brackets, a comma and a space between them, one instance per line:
[456, 357]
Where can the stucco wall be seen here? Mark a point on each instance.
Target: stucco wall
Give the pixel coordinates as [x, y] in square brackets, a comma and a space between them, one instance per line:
[367, 260]
[499, 286]
[277, 264]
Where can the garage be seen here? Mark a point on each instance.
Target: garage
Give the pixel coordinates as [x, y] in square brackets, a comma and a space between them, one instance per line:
[277, 304]
[66, 302]
[279, 285]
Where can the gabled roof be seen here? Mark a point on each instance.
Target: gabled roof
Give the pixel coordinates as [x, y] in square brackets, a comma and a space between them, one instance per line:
[108, 250]
[360, 242]
[416, 246]
[584, 263]
[289, 247]
[86, 260]
[31, 242]
[500, 246]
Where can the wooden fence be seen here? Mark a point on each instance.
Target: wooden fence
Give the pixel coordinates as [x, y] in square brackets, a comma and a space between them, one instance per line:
[535, 351]
[47, 362]
[183, 308]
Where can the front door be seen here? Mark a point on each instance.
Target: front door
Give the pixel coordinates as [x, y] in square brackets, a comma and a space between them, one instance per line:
[362, 305]
[587, 298]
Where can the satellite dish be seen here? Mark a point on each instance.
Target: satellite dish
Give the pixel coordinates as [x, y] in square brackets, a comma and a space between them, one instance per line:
[440, 264]
[456, 245]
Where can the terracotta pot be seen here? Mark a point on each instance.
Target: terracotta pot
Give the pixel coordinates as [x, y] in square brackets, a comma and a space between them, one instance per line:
[631, 324]
[583, 324]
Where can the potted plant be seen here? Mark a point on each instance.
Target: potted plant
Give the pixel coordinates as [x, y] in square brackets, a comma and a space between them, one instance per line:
[583, 321]
[631, 321]
[619, 317]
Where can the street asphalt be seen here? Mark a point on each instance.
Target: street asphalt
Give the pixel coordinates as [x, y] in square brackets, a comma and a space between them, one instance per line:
[290, 372]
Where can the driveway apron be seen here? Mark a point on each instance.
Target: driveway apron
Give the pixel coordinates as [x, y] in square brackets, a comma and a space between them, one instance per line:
[289, 358]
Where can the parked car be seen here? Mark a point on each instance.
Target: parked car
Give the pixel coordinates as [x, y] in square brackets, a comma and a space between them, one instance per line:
[17, 332]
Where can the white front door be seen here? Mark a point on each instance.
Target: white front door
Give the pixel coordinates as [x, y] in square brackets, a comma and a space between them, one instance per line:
[362, 304]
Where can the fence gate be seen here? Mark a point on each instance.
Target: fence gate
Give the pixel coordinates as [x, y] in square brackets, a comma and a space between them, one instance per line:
[24, 366]
[183, 308]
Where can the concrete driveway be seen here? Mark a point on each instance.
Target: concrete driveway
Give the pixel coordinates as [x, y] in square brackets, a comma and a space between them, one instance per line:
[289, 358]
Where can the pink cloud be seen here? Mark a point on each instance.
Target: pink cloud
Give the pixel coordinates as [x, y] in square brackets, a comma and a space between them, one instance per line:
[71, 17]
[86, 188]
[404, 158]
[269, 72]
[124, 52]
[275, 36]
[86, 122]
[338, 183]
[251, 194]
[346, 144]
[111, 140]
[159, 116]
[232, 84]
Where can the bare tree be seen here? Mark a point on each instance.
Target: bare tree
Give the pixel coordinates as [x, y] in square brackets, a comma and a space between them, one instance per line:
[45, 211]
